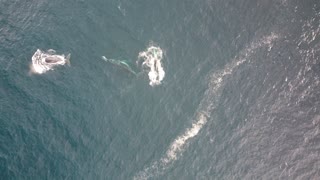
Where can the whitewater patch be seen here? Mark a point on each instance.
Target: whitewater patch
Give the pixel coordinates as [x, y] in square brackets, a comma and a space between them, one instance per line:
[205, 108]
[151, 60]
[44, 61]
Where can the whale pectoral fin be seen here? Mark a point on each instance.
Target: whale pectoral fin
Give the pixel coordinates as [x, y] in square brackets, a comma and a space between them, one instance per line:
[104, 58]
[51, 51]
[68, 59]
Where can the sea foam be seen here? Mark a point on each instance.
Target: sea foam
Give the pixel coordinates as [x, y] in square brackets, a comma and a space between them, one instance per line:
[152, 58]
[205, 108]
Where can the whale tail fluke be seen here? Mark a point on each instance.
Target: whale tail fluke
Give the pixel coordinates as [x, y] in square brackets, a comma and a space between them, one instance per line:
[68, 59]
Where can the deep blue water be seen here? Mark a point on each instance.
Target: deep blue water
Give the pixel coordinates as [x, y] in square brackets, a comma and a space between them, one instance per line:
[240, 98]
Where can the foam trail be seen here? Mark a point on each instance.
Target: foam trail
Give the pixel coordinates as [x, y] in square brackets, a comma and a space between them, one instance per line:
[152, 60]
[207, 105]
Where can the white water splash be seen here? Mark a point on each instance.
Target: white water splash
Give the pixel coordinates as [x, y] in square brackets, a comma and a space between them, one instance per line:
[45, 61]
[179, 142]
[206, 107]
[152, 60]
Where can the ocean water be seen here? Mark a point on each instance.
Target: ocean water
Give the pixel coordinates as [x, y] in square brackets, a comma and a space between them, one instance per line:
[240, 97]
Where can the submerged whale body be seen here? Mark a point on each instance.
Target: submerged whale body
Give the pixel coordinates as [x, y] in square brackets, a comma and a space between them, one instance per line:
[121, 64]
[45, 61]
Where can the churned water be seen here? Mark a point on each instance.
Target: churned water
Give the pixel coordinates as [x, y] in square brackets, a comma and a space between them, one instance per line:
[209, 89]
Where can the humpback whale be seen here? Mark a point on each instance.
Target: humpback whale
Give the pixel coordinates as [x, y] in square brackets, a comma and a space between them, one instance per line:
[120, 63]
[52, 60]
[45, 61]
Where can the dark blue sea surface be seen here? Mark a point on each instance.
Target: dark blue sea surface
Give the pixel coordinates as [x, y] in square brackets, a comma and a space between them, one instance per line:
[240, 98]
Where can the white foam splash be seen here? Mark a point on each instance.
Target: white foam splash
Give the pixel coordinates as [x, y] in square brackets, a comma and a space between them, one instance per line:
[45, 61]
[180, 141]
[207, 105]
[152, 60]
